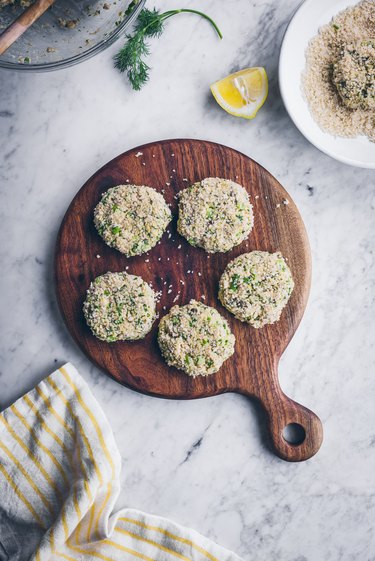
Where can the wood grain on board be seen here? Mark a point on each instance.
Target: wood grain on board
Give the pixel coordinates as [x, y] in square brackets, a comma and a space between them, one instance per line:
[170, 166]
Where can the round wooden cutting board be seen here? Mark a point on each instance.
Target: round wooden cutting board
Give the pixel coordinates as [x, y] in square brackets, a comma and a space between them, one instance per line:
[81, 255]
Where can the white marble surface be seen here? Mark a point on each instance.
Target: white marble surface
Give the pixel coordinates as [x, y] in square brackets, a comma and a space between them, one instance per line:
[56, 130]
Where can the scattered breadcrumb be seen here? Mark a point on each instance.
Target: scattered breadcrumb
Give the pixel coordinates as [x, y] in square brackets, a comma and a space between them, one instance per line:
[68, 23]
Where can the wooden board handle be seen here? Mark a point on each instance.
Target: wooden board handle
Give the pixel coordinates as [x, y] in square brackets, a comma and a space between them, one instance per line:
[22, 23]
[289, 418]
[286, 418]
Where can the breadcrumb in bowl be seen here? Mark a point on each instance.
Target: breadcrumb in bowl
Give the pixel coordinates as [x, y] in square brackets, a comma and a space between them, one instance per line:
[354, 75]
[328, 65]
[311, 16]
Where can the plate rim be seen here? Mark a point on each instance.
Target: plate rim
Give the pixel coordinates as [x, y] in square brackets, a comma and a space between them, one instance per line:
[302, 129]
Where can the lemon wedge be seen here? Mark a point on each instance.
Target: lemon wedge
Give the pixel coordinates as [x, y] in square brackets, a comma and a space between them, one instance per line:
[243, 93]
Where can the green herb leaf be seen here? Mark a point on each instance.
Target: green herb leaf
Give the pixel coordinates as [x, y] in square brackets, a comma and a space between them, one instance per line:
[234, 282]
[188, 360]
[131, 7]
[250, 278]
[150, 23]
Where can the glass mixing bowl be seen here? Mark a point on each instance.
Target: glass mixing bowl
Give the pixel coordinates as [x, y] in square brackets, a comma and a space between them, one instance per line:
[67, 33]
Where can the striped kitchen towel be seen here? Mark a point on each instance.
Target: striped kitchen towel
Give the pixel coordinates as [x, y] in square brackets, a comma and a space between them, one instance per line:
[59, 481]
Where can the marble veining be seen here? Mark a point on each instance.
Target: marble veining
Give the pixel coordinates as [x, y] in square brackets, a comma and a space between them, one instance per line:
[204, 463]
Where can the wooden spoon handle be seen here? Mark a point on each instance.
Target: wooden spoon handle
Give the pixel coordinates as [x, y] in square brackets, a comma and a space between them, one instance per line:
[22, 23]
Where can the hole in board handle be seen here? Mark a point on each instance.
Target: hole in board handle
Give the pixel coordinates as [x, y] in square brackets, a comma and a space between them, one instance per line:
[294, 434]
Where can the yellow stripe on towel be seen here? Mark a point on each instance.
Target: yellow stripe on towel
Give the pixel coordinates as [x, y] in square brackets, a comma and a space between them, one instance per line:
[155, 544]
[96, 553]
[57, 464]
[31, 431]
[101, 440]
[61, 444]
[171, 536]
[33, 458]
[21, 496]
[71, 433]
[43, 498]
[87, 445]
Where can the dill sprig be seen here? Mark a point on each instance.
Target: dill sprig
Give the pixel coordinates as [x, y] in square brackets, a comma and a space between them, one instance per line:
[150, 23]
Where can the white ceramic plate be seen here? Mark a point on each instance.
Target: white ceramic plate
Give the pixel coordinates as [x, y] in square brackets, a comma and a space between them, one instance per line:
[310, 16]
